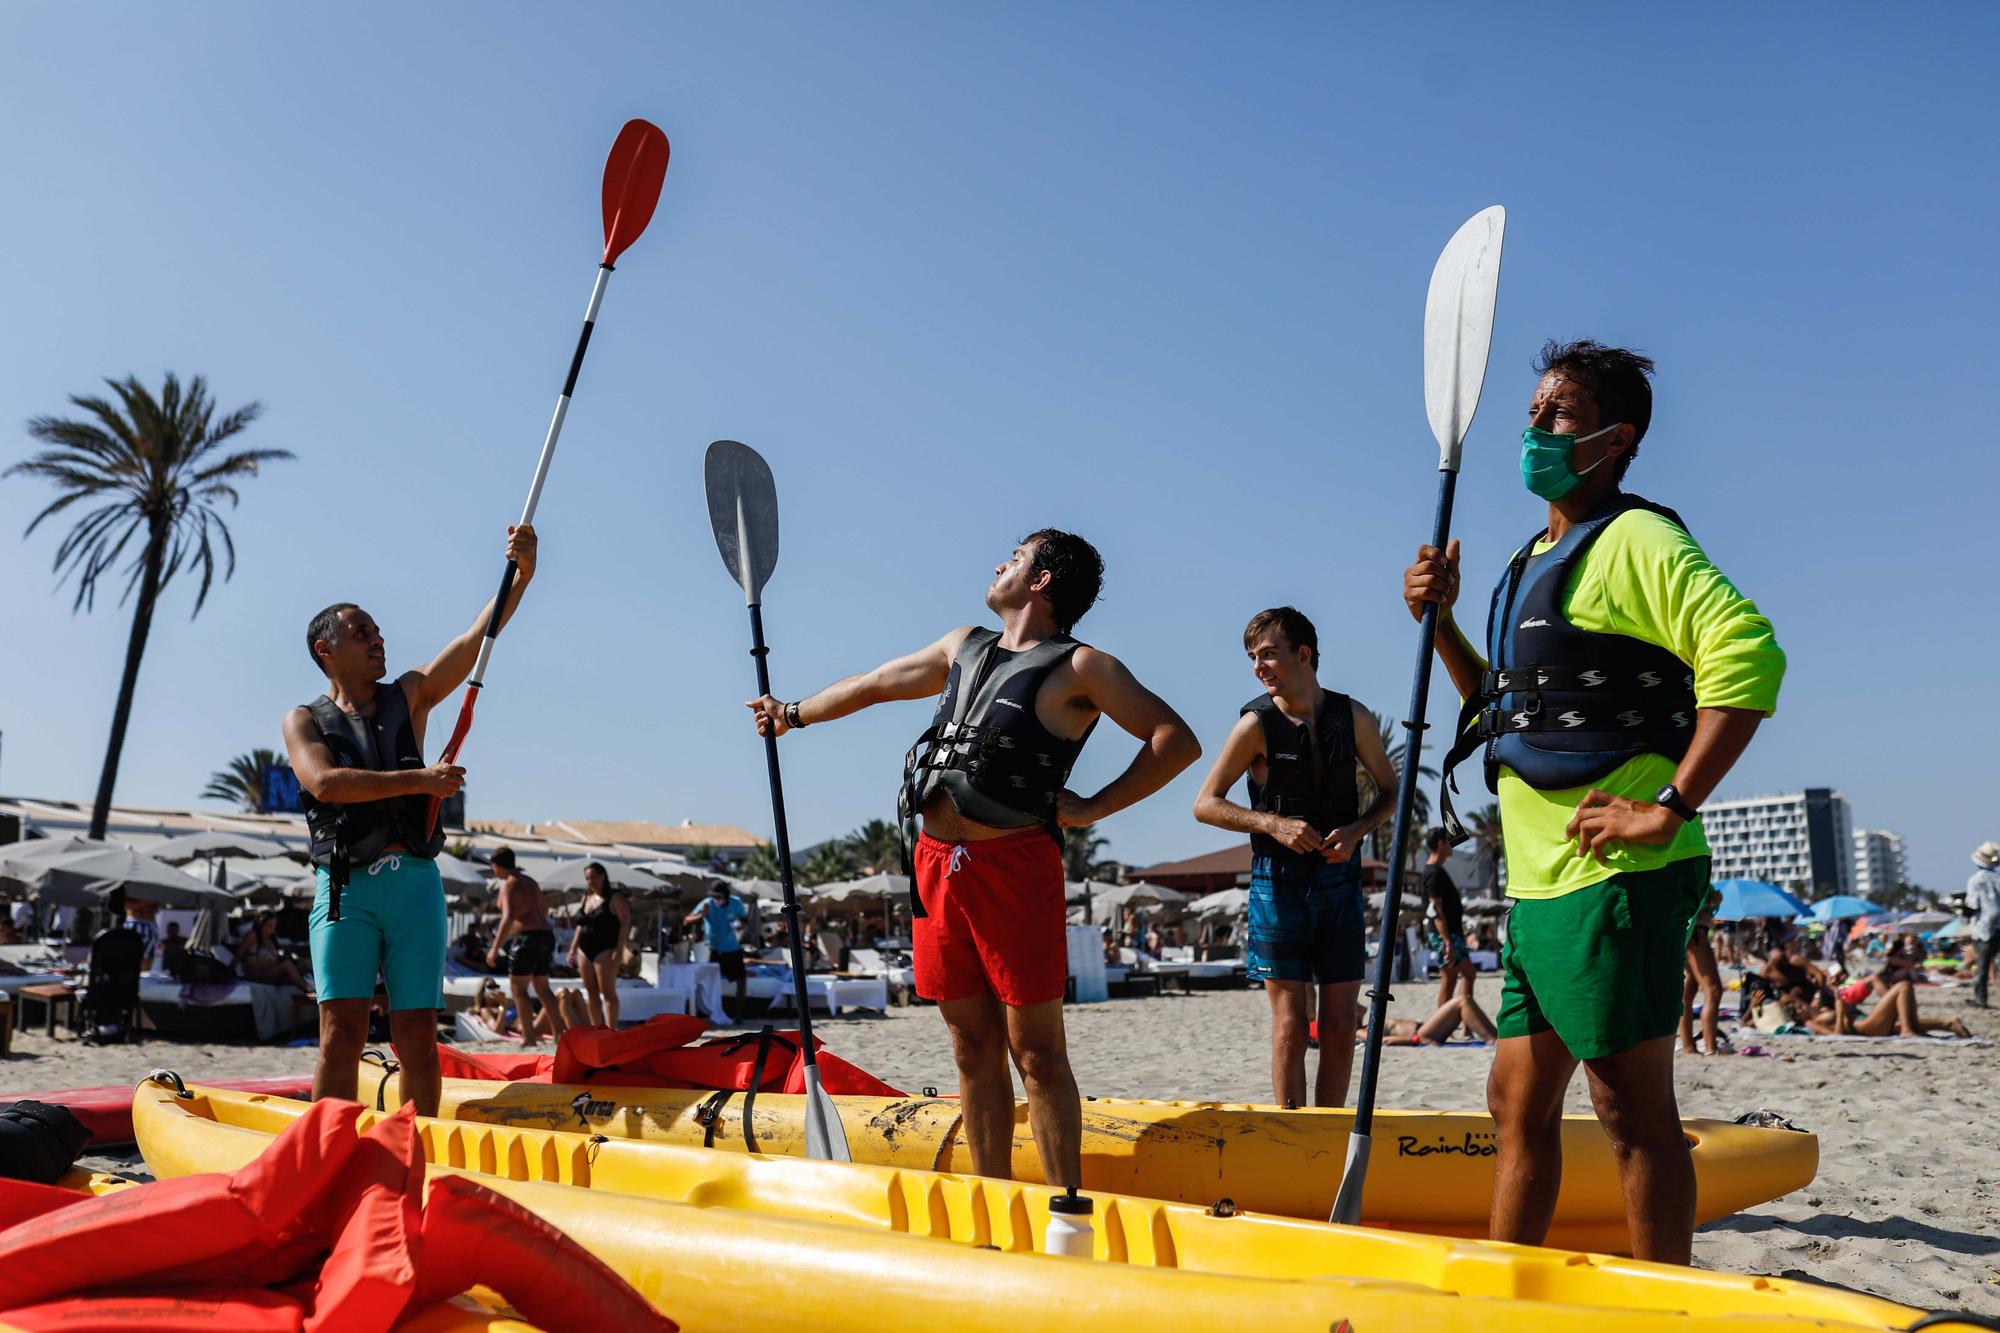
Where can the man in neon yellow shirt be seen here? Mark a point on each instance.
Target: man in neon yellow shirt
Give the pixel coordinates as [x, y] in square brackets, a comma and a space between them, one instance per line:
[1624, 676]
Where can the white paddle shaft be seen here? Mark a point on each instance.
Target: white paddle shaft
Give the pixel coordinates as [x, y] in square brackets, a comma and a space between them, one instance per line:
[542, 468]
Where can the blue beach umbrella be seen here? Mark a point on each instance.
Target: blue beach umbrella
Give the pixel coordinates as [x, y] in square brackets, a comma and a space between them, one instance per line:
[1745, 898]
[1842, 907]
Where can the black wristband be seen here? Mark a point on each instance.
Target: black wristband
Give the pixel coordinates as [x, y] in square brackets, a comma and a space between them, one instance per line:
[792, 718]
[1669, 796]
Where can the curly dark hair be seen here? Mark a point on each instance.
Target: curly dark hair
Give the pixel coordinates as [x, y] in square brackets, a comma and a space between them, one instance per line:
[1076, 573]
[1616, 378]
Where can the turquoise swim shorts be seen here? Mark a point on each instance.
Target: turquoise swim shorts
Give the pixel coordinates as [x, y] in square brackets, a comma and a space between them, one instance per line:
[391, 924]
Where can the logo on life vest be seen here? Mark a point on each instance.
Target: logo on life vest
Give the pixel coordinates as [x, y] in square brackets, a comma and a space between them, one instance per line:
[1680, 719]
[1536, 623]
[1014, 704]
[1294, 758]
[1630, 718]
[587, 1106]
[1649, 678]
[1592, 678]
[1570, 719]
[1521, 721]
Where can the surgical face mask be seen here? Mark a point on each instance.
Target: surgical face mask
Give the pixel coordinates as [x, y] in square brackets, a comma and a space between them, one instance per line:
[1545, 460]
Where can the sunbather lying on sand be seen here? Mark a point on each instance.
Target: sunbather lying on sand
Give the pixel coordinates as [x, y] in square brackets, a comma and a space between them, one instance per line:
[1435, 1030]
[1895, 1016]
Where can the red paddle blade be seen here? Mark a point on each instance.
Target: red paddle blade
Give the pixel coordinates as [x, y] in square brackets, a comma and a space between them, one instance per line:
[633, 175]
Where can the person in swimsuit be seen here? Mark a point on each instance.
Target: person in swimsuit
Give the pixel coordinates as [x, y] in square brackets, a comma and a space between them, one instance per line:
[598, 946]
[530, 942]
[1456, 970]
[260, 959]
[1459, 1010]
[989, 778]
[1703, 975]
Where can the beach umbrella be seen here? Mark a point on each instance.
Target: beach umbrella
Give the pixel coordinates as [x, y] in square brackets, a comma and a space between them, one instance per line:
[1117, 896]
[567, 877]
[1842, 907]
[84, 873]
[1922, 923]
[215, 845]
[1745, 898]
[458, 873]
[1223, 902]
[677, 873]
[1952, 931]
[848, 892]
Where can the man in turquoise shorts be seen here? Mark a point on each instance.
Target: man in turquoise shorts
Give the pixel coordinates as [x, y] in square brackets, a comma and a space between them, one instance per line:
[1624, 676]
[358, 751]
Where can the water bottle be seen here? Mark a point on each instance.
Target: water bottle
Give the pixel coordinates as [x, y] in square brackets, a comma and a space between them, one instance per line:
[1069, 1230]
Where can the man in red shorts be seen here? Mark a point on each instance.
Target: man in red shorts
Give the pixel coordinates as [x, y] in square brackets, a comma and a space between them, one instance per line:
[988, 779]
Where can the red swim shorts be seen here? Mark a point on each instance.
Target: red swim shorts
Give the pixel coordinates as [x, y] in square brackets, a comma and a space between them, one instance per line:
[995, 919]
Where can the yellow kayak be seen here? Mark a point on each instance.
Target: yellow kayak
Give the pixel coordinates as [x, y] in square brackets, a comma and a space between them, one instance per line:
[1431, 1171]
[729, 1241]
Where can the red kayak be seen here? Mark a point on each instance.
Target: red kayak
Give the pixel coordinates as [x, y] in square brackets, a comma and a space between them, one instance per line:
[108, 1111]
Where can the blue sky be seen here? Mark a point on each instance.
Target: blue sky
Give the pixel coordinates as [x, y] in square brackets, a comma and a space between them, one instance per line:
[1152, 272]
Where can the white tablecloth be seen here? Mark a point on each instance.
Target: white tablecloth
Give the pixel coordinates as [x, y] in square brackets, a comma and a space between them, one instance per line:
[703, 981]
[838, 993]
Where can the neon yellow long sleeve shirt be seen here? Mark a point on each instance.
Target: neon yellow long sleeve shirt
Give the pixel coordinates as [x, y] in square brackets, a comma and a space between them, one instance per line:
[1647, 579]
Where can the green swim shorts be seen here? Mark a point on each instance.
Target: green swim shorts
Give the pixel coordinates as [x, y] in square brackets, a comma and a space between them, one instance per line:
[1602, 966]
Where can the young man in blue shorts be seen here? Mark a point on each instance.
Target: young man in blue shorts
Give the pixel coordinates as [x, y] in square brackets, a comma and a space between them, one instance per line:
[1302, 747]
[358, 751]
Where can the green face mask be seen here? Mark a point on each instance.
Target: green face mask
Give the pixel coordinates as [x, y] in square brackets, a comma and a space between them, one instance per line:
[1545, 461]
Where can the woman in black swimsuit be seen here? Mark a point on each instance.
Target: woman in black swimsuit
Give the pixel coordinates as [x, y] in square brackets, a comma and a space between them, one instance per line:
[598, 947]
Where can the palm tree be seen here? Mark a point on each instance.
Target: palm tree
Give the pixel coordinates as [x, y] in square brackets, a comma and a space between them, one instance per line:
[829, 861]
[1488, 847]
[762, 863]
[877, 848]
[154, 469]
[1420, 807]
[243, 781]
[1080, 848]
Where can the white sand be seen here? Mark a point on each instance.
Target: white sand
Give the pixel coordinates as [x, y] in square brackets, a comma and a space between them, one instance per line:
[1906, 1206]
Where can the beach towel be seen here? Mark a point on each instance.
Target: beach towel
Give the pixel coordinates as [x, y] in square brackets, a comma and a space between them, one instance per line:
[1855, 1036]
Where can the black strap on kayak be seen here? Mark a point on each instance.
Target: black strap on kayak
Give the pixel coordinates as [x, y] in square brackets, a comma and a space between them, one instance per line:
[765, 1039]
[709, 1113]
[389, 1067]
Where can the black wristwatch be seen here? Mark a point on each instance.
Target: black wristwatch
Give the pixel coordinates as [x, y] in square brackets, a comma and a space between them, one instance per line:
[792, 717]
[1670, 797]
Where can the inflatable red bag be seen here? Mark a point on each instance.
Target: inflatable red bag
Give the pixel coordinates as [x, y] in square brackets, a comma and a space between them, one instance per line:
[193, 1310]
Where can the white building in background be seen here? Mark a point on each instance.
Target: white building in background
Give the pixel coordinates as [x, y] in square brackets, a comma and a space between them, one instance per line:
[1801, 841]
[1878, 861]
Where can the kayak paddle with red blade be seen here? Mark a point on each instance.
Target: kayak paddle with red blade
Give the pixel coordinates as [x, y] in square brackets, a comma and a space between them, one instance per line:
[633, 175]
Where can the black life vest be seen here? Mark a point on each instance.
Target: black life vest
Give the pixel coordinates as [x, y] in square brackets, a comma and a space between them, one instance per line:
[1308, 771]
[345, 835]
[1558, 705]
[986, 747]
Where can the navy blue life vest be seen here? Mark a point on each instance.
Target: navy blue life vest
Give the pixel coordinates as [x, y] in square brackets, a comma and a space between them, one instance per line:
[1558, 705]
[1308, 771]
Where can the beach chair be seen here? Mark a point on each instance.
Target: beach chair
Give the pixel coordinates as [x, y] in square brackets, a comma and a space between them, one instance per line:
[109, 1000]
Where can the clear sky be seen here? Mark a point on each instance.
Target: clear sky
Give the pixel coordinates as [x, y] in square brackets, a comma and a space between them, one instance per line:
[1153, 272]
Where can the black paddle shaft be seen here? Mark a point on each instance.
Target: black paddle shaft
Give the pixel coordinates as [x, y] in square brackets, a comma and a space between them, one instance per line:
[1406, 793]
[759, 651]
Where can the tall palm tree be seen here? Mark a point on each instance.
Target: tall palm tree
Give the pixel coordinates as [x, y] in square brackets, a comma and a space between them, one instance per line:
[243, 780]
[1420, 807]
[1080, 848]
[877, 848]
[153, 469]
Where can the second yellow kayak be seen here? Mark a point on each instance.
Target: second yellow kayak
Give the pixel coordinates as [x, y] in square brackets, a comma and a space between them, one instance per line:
[1431, 1171]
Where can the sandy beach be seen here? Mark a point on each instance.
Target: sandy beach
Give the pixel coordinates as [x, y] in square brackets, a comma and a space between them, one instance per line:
[1906, 1205]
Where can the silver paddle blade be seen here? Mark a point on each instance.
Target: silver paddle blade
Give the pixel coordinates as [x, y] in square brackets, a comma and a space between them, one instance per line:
[826, 1137]
[1458, 329]
[743, 511]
